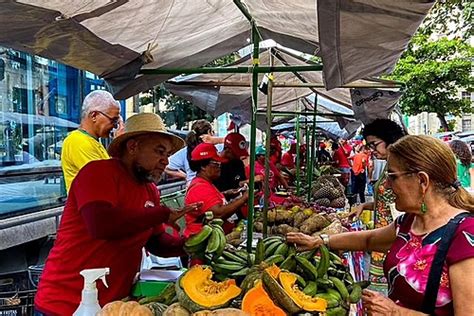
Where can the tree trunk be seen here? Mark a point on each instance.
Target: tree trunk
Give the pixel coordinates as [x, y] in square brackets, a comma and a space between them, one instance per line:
[444, 123]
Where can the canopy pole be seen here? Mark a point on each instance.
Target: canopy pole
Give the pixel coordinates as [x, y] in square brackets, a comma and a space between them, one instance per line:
[307, 143]
[298, 163]
[266, 183]
[253, 135]
[229, 70]
[313, 149]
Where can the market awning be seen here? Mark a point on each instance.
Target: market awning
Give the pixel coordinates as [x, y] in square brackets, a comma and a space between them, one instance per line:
[115, 39]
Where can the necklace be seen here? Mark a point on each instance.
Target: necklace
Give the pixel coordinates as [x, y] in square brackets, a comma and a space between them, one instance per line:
[83, 131]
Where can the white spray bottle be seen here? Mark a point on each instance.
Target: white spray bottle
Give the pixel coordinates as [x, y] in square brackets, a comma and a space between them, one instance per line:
[89, 305]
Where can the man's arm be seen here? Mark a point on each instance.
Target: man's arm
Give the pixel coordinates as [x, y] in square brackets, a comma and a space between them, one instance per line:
[104, 221]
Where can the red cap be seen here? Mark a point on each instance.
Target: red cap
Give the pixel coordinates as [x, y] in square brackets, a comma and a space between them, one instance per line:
[237, 144]
[205, 151]
[322, 145]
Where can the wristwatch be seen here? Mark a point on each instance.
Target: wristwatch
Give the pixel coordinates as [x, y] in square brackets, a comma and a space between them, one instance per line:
[325, 238]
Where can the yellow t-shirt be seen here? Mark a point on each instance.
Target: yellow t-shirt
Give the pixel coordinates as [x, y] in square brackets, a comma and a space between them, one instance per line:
[79, 148]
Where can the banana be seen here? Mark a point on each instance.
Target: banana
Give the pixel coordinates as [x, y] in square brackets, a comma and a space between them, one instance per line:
[251, 259]
[329, 299]
[325, 283]
[242, 272]
[213, 242]
[222, 243]
[226, 269]
[307, 254]
[217, 221]
[271, 248]
[271, 239]
[311, 288]
[307, 267]
[336, 311]
[242, 254]
[281, 250]
[335, 258]
[335, 294]
[260, 252]
[323, 262]
[300, 280]
[276, 259]
[200, 237]
[233, 257]
[340, 287]
[356, 294]
[289, 263]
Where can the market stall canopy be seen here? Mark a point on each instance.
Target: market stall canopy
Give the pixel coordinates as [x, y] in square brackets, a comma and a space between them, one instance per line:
[220, 93]
[23, 118]
[115, 39]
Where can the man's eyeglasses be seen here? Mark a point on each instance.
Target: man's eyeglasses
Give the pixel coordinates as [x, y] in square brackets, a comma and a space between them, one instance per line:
[373, 145]
[392, 176]
[113, 120]
[215, 163]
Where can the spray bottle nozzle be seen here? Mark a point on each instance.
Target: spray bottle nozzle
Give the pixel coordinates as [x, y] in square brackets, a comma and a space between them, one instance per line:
[92, 275]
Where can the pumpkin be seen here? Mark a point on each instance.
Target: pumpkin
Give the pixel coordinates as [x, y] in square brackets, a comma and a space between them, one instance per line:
[196, 291]
[257, 302]
[119, 308]
[278, 294]
[176, 310]
[306, 302]
[221, 312]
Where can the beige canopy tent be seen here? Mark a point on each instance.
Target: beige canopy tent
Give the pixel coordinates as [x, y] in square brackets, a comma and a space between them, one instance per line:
[116, 39]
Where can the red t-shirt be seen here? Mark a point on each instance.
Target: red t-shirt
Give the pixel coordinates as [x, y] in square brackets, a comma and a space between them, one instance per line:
[200, 190]
[260, 170]
[59, 291]
[287, 160]
[341, 158]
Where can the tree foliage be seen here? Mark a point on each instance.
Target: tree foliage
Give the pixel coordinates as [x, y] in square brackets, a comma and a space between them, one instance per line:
[434, 71]
[450, 17]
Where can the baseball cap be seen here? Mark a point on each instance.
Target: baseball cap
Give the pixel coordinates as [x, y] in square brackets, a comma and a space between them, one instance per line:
[237, 144]
[206, 151]
[260, 150]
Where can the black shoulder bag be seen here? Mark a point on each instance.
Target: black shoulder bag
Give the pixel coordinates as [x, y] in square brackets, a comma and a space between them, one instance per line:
[434, 278]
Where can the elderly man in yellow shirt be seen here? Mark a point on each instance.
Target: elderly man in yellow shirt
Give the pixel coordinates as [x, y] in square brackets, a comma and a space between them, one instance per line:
[100, 114]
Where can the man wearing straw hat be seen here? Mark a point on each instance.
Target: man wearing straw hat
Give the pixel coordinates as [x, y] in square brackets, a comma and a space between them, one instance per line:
[112, 212]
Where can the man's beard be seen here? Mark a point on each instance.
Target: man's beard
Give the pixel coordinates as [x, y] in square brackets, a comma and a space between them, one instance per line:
[145, 176]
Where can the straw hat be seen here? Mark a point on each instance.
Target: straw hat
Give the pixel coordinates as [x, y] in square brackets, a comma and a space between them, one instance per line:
[143, 123]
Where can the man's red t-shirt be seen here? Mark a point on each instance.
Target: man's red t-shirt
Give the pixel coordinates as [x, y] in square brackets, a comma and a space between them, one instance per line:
[59, 291]
[341, 158]
[200, 190]
[260, 170]
[288, 160]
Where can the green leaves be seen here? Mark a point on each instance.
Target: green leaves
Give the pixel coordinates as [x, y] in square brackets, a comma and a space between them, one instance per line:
[434, 71]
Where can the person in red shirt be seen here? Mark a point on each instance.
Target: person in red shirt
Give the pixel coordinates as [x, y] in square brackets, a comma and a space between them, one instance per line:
[206, 162]
[113, 210]
[341, 161]
[288, 158]
[275, 177]
[359, 167]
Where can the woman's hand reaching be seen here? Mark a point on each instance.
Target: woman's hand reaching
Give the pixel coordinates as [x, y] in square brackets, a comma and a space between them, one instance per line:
[303, 242]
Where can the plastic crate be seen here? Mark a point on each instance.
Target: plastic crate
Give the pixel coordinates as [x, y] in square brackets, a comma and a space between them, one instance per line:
[20, 303]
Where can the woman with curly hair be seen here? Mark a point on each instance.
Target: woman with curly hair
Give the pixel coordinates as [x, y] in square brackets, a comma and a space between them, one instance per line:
[379, 135]
[465, 167]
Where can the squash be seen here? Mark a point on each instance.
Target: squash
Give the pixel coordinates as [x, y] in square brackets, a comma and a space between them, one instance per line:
[157, 308]
[221, 312]
[112, 308]
[257, 302]
[278, 294]
[306, 302]
[176, 310]
[119, 308]
[196, 291]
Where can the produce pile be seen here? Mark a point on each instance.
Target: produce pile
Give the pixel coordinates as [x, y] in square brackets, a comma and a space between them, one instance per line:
[312, 281]
[308, 218]
[329, 192]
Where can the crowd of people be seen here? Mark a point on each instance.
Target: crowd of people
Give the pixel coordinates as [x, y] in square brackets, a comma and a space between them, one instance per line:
[113, 209]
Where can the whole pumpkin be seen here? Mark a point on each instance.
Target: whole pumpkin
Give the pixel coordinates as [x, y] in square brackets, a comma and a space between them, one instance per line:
[119, 308]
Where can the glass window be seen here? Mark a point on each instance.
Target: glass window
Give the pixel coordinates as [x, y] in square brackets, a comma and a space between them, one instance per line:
[40, 103]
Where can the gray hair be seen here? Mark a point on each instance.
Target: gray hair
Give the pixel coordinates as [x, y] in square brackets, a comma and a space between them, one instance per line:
[98, 100]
